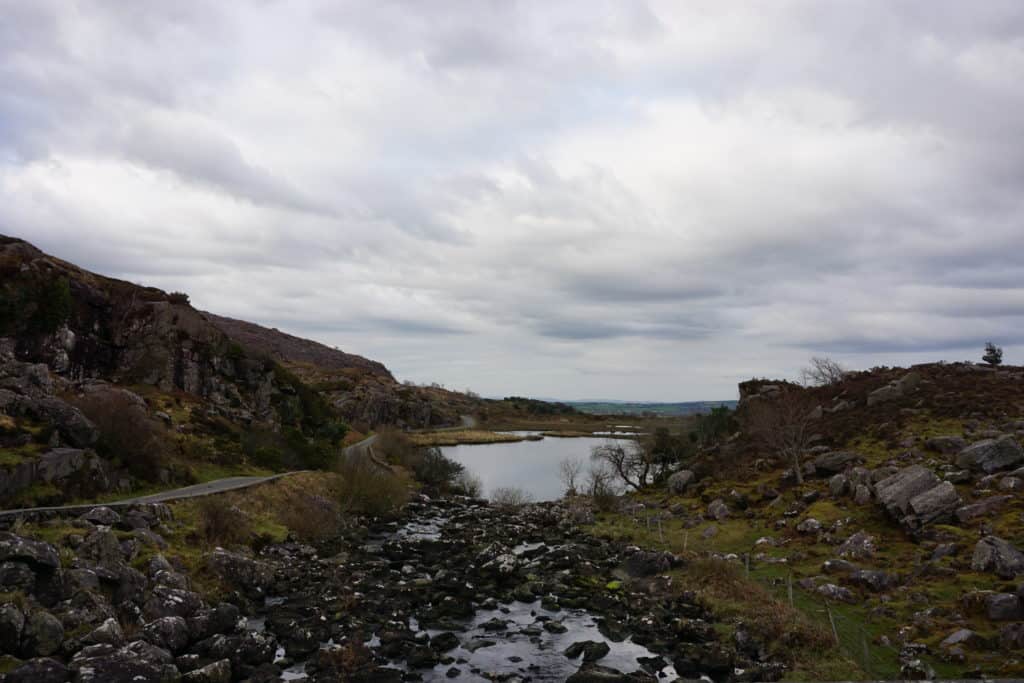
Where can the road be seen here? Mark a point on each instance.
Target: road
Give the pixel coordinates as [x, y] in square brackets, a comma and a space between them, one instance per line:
[363, 448]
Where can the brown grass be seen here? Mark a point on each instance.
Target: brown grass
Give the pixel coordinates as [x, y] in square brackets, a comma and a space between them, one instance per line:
[461, 436]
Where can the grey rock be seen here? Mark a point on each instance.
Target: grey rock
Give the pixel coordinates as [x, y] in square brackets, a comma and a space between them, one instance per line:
[102, 516]
[136, 661]
[963, 637]
[1003, 607]
[678, 482]
[103, 548]
[17, 576]
[936, 504]
[835, 462]
[38, 554]
[831, 591]
[983, 507]
[75, 428]
[993, 554]
[896, 491]
[169, 633]
[838, 567]
[12, 625]
[590, 649]
[39, 670]
[991, 455]
[109, 633]
[862, 495]
[216, 672]
[717, 510]
[859, 546]
[838, 486]
[171, 602]
[43, 634]
[254, 576]
[946, 444]
[873, 579]
[1011, 484]
[809, 526]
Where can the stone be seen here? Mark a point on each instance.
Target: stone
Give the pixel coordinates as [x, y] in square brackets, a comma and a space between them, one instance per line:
[443, 642]
[43, 634]
[39, 555]
[835, 462]
[169, 633]
[648, 563]
[838, 485]
[216, 672]
[947, 445]
[252, 575]
[862, 495]
[591, 650]
[936, 504]
[102, 547]
[982, 508]
[710, 532]
[993, 554]
[678, 482]
[39, 670]
[896, 491]
[1011, 484]
[838, 567]
[718, 510]
[102, 515]
[809, 526]
[171, 602]
[136, 661]
[830, 591]
[873, 579]
[859, 546]
[109, 632]
[17, 576]
[74, 427]
[12, 625]
[1011, 636]
[963, 637]
[1003, 607]
[991, 455]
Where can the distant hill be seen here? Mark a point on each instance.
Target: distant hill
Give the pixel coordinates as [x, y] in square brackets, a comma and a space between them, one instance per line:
[660, 409]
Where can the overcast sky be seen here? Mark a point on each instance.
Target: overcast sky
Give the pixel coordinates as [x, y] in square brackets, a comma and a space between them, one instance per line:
[637, 200]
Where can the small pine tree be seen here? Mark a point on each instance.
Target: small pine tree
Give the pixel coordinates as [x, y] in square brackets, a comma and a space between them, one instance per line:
[993, 354]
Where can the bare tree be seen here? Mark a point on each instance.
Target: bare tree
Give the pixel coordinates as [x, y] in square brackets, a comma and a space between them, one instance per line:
[628, 460]
[569, 472]
[993, 354]
[784, 423]
[822, 372]
[601, 488]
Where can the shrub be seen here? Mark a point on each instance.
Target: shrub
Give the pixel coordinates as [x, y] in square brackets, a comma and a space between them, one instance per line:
[510, 497]
[601, 489]
[369, 489]
[467, 484]
[434, 470]
[993, 354]
[310, 518]
[822, 372]
[127, 433]
[220, 523]
[395, 447]
[53, 305]
[180, 298]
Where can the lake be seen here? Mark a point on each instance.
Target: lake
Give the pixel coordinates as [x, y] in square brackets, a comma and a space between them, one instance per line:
[532, 466]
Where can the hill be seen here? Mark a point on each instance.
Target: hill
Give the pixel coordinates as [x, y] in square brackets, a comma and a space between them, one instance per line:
[680, 409]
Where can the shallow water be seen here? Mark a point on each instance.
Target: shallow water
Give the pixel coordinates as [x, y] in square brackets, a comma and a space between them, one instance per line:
[532, 466]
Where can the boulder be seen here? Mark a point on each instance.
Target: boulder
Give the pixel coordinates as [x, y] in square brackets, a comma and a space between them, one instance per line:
[838, 485]
[1011, 636]
[859, 546]
[169, 633]
[993, 554]
[39, 670]
[830, 591]
[102, 516]
[252, 575]
[12, 625]
[717, 510]
[648, 563]
[1003, 607]
[982, 508]
[809, 526]
[136, 661]
[171, 602]
[109, 633]
[946, 444]
[873, 579]
[590, 649]
[963, 637]
[61, 463]
[862, 495]
[102, 547]
[16, 576]
[43, 634]
[896, 491]
[39, 555]
[835, 462]
[936, 504]
[991, 455]
[678, 482]
[217, 672]
[74, 427]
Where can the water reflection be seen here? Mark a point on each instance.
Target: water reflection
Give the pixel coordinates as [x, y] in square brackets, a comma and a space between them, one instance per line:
[532, 466]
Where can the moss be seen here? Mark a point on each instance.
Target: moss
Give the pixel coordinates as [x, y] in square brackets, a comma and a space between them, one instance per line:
[8, 663]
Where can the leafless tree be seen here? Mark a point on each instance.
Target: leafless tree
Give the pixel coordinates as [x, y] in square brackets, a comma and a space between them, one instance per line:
[569, 472]
[784, 423]
[822, 372]
[628, 460]
[601, 487]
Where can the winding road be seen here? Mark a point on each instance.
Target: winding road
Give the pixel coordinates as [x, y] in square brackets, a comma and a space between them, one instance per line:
[360, 449]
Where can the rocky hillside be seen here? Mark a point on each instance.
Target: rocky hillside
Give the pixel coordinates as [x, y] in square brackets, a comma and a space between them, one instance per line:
[906, 522]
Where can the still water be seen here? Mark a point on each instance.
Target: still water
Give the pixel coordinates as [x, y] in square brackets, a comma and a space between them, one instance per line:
[532, 466]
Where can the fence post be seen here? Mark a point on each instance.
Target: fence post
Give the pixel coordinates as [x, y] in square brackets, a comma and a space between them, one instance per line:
[867, 655]
[789, 588]
[686, 540]
[746, 559]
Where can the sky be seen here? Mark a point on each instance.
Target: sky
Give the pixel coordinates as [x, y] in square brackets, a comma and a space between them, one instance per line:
[582, 199]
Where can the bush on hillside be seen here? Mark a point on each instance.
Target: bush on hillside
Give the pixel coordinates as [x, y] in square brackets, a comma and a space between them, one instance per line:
[993, 354]
[510, 497]
[220, 523]
[366, 488]
[128, 435]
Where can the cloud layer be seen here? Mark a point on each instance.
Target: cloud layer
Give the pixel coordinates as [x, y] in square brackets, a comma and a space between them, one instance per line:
[596, 199]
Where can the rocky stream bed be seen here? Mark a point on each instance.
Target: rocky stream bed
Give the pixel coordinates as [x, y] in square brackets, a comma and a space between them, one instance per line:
[453, 589]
